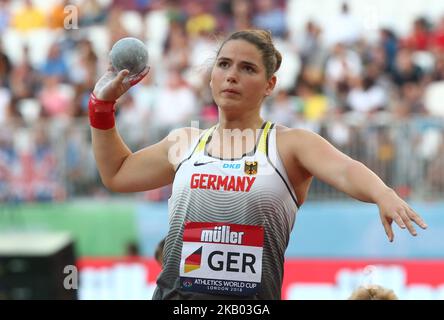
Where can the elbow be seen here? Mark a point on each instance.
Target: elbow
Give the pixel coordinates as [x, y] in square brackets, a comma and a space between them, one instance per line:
[107, 184]
[111, 185]
[117, 185]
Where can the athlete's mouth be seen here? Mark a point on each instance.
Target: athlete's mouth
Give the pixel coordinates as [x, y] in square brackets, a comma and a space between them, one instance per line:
[232, 91]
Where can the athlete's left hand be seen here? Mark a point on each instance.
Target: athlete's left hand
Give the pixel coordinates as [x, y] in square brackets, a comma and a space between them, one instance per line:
[393, 208]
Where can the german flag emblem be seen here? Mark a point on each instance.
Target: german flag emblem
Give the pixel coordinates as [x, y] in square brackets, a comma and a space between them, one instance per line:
[192, 262]
[250, 167]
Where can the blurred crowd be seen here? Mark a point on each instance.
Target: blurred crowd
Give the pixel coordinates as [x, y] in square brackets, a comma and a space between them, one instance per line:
[380, 100]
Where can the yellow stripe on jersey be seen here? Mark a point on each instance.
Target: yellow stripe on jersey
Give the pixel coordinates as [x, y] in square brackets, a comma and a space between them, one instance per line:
[262, 147]
[203, 141]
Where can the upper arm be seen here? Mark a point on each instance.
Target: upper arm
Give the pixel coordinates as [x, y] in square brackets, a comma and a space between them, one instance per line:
[153, 166]
[317, 156]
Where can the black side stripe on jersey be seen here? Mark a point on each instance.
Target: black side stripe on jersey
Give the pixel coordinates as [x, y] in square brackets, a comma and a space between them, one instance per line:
[277, 171]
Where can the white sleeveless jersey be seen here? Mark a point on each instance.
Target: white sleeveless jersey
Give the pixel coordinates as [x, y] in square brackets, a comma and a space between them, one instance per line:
[230, 222]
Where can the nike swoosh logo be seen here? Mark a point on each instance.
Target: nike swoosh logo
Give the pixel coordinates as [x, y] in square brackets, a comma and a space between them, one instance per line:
[197, 164]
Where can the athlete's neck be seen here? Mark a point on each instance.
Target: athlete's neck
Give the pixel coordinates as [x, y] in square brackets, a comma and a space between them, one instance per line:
[243, 122]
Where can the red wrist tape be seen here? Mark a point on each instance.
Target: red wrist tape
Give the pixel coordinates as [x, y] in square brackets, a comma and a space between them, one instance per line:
[101, 113]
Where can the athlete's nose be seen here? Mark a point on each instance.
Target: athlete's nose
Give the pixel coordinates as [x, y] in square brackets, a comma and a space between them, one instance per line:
[231, 79]
[231, 76]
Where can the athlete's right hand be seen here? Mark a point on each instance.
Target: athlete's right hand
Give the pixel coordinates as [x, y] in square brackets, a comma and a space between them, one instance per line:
[112, 85]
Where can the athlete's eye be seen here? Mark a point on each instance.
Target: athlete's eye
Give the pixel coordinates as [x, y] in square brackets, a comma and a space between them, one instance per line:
[249, 69]
[222, 64]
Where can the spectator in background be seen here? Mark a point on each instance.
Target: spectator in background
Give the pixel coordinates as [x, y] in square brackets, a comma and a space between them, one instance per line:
[176, 52]
[114, 25]
[55, 102]
[176, 102]
[55, 64]
[224, 15]
[158, 253]
[5, 105]
[291, 67]
[405, 69]
[5, 69]
[145, 96]
[77, 162]
[344, 28]
[373, 292]
[384, 155]
[389, 42]
[34, 173]
[366, 96]
[5, 15]
[29, 18]
[339, 132]
[420, 38]
[132, 249]
[242, 12]
[25, 80]
[270, 17]
[92, 13]
[376, 62]
[411, 94]
[199, 20]
[129, 117]
[56, 17]
[130, 5]
[8, 156]
[283, 109]
[435, 170]
[315, 104]
[83, 71]
[45, 179]
[84, 64]
[438, 72]
[311, 50]
[175, 12]
[342, 65]
[201, 52]
[438, 37]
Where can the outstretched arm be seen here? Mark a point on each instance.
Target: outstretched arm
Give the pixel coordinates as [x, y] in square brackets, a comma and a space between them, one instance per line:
[328, 164]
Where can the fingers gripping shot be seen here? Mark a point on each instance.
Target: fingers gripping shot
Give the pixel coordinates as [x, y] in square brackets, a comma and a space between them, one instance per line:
[232, 207]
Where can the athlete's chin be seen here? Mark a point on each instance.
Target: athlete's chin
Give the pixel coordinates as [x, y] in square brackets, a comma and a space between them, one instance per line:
[229, 103]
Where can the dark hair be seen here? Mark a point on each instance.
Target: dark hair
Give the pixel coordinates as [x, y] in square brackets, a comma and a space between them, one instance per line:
[271, 57]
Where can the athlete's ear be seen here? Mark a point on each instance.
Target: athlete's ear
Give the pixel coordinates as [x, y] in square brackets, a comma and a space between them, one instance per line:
[270, 85]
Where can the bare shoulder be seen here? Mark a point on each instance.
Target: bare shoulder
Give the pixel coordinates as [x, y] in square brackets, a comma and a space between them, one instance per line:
[292, 137]
[290, 131]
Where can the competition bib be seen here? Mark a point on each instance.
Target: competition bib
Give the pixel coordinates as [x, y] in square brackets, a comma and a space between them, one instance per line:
[221, 258]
